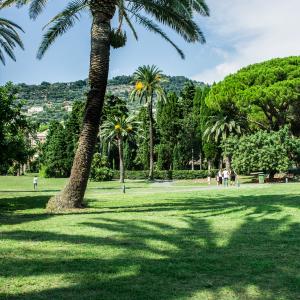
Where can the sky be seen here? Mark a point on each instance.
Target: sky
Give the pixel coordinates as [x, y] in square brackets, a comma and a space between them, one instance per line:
[238, 33]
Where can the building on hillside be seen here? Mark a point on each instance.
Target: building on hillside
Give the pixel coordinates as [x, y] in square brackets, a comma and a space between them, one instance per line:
[39, 138]
[35, 110]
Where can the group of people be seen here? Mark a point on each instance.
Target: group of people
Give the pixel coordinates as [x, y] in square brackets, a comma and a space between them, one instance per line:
[224, 176]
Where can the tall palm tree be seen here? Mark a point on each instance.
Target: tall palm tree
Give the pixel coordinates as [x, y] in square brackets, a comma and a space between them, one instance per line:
[117, 130]
[177, 14]
[148, 84]
[9, 39]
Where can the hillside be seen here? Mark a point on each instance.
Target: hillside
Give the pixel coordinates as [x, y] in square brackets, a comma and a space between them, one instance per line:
[48, 101]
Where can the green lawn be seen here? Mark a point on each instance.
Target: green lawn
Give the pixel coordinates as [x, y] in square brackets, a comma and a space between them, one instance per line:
[158, 241]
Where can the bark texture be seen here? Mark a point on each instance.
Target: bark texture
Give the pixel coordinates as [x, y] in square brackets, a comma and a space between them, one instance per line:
[151, 142]
[122, 170]
[73, 194]
[228, 163]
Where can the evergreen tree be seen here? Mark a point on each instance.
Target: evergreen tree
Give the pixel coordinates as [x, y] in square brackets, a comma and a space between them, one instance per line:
[72, 131]
[15, 129]
[168, 127]
[210, 149]
[54, 158]
[184, 152]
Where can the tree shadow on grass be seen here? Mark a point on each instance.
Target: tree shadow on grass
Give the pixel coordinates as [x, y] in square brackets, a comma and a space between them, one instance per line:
[219, 205]
[8, 206]
[156, 260]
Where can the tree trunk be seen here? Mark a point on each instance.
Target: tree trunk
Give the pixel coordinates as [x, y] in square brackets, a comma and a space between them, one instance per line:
[209, 166]
[200, 161]
[122, 170]
[73, 193]
[151, 142]
[193, 166]
[228, 163]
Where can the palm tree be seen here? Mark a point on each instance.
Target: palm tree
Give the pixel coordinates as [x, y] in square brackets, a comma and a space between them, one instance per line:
[9, 39]
[148, 84]
[177, 14]
[219, 127]
[117, 130]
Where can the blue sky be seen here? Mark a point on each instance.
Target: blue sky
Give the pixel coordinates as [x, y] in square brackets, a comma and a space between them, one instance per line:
[239, 32]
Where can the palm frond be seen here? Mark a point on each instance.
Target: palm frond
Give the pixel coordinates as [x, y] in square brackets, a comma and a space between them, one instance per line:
[151, 26]
[61, 24]
[9, 38]
[36, 7]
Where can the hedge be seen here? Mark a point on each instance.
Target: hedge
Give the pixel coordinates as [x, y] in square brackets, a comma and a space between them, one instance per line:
[167, 175]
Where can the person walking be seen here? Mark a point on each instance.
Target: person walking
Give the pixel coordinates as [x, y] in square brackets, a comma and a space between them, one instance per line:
[219, 177]
[225, 177]
[35, 182]
[232, 177]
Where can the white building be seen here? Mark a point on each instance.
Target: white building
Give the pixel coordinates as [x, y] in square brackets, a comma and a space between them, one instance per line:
[35, 110]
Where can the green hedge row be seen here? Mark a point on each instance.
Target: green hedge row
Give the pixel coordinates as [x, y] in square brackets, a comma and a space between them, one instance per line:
[167, 175]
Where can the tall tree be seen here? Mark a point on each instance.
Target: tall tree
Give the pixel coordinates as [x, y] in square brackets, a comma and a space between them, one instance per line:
[148, 85]
[9, 39]
[210, 149]
[72, 130]
[14, 130]
[119, 129]
[177, 14]
[168, 127]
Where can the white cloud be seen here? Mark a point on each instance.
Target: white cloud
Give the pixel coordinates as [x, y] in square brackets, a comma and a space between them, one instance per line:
[254, 31]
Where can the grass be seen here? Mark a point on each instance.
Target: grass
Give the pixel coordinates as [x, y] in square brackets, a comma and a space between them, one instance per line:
[154, 242]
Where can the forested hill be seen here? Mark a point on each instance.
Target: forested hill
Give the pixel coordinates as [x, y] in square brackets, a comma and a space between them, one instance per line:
[48, 101]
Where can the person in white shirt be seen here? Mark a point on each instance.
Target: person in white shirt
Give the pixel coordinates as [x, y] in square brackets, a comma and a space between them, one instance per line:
[35, 183]
[225, 177]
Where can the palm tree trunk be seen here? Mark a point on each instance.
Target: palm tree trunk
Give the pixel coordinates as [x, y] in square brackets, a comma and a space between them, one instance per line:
[73, 193]
[122, 170]
[151, 142]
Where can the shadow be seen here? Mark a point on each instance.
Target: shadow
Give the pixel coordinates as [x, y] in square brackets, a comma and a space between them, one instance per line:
[8, 207]
[28, 191]
[146, 258]
[23, 203]
[262, 204]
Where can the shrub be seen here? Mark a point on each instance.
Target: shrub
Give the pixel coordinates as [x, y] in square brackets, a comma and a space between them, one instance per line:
[100, 170]
[102, 174]
[167, 174]
[44, 172]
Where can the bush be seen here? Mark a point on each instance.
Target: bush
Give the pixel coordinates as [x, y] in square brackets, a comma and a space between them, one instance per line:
[102, 174]
[167, 175]
[44, 172]
[193, 174]
[100, 170]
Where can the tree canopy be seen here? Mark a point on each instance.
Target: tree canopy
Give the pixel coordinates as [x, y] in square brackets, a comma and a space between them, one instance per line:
[265, 93]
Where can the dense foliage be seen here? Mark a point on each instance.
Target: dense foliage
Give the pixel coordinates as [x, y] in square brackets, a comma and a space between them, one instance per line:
[56, 98]
[59, 150]
[194, 128]
[265, 151]
[15, 131]
[266, 95]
